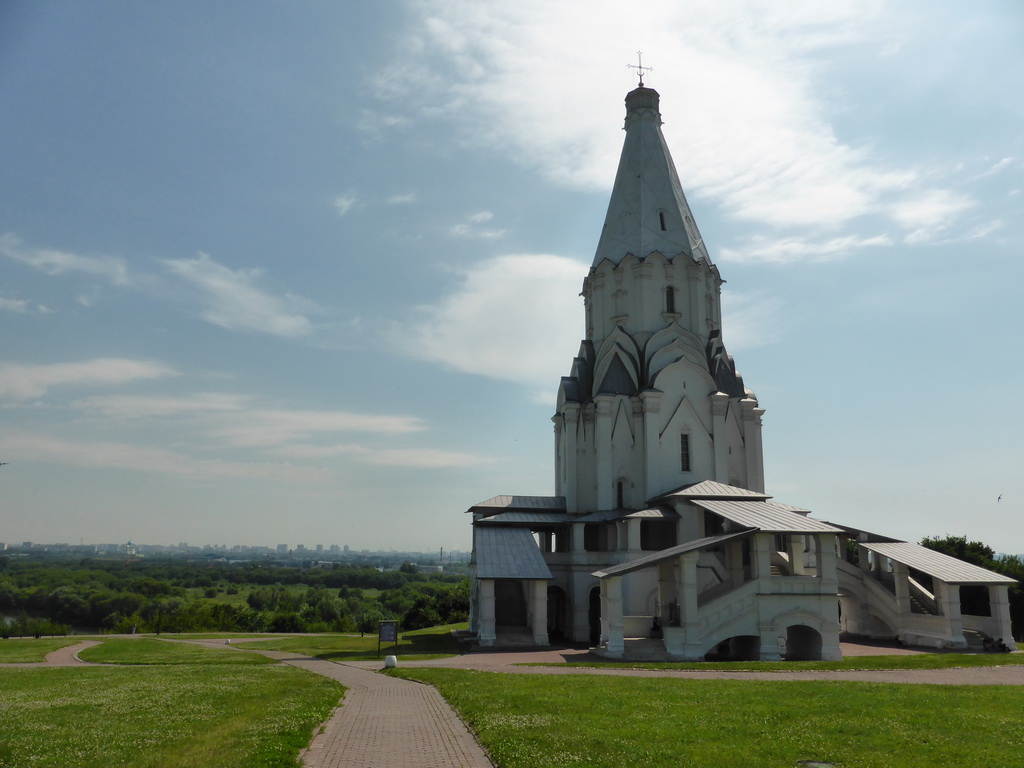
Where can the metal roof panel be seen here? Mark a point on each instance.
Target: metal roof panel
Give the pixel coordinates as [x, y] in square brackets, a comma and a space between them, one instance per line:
[951, 570]
[508, 553]
[765, 515]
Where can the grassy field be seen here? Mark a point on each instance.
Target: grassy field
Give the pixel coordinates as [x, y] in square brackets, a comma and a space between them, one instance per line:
[611, 722]
[28, 649]
[148, 650]
[177, 705]
[916, 661]
[432, 643]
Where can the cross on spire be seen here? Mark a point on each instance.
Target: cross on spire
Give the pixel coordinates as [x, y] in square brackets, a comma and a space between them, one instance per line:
[639, 67]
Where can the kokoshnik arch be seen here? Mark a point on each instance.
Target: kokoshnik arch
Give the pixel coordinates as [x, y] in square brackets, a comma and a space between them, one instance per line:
[660, 541]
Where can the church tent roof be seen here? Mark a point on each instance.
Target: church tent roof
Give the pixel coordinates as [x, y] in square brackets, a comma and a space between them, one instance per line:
[667, 554]
[508, 553]
[765, 516]
[938, 565]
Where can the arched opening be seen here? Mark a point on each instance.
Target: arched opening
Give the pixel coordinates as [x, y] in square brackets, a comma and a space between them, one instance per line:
[738, 648]
[509, 603]
[670, 300]
[594, 614]
[557, 613]
[802, 643]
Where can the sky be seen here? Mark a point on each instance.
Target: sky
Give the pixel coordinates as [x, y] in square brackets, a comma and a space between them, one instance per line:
[308, 273]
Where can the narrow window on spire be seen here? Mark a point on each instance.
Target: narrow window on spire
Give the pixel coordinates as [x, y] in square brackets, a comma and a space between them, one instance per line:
[619, 496]
[684, 452]
[670, 300]
[661, 220]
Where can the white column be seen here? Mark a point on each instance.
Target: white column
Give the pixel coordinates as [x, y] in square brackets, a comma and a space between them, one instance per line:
[633, 535]
[948, 598]
[761, 547]
[603, 420]
[752, 442]
[570, 452]
[612, 636]
[999, 599]
[540, 611]
[486, 635]
[825, 563]
[651, 401]
[719, 408]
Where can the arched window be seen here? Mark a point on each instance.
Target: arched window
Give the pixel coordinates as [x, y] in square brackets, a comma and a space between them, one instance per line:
[661, 220]
[670, 300]
[619, 495]
[684, 452]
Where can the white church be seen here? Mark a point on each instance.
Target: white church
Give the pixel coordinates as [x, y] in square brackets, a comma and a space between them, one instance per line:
[660, 541]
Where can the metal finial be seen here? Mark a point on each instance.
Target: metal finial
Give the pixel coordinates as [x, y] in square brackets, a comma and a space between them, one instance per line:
[640, 68]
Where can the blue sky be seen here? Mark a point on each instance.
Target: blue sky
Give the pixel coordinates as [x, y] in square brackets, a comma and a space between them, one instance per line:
[309, 272]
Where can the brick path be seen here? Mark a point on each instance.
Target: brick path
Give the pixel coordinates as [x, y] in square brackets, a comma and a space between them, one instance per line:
[386, 722]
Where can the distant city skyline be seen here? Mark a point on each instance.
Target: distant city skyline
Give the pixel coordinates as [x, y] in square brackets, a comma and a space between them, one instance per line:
[298, 273]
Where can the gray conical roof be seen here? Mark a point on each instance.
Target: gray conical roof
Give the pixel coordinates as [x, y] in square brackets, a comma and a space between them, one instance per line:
[648, 211]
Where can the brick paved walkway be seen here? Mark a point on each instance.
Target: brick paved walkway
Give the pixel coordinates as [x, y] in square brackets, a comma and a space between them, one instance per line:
[386, 722]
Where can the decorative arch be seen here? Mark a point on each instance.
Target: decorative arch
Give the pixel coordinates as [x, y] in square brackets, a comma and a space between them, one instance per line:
[620, 347]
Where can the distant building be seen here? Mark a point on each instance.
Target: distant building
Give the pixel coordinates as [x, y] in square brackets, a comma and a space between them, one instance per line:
[660, 540]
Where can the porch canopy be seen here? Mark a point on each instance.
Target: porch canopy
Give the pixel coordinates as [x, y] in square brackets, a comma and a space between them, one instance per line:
[766, 516]
[936, 564]
[508, 553]
[667, 554]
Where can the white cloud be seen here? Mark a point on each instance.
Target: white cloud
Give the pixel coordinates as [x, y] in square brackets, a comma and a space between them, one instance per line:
[406, 198]
[745, 109]
[235, 302]
[22, 381]
[123, 456]
[268, 428]
[930, 213]
[14, 305]
[514, 317]
[751, 319]
[141, 406]
[992, 170]
[470, 227]
[344, 203]
[54, 262]
[794, 249]
[420, 458]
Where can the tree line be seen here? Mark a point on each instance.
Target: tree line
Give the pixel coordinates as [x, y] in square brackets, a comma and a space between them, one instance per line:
[52, 597]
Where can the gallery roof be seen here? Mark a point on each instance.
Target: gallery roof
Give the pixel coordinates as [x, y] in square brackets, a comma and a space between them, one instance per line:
[765, 515]
[937, 565]
[508, 553]
[709, 489]
[507, 503]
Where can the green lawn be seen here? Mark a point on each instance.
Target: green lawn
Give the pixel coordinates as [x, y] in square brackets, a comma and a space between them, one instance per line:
[147, 650]
[27, 649]
[188, 707]
[432, 643]
[610, 722]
